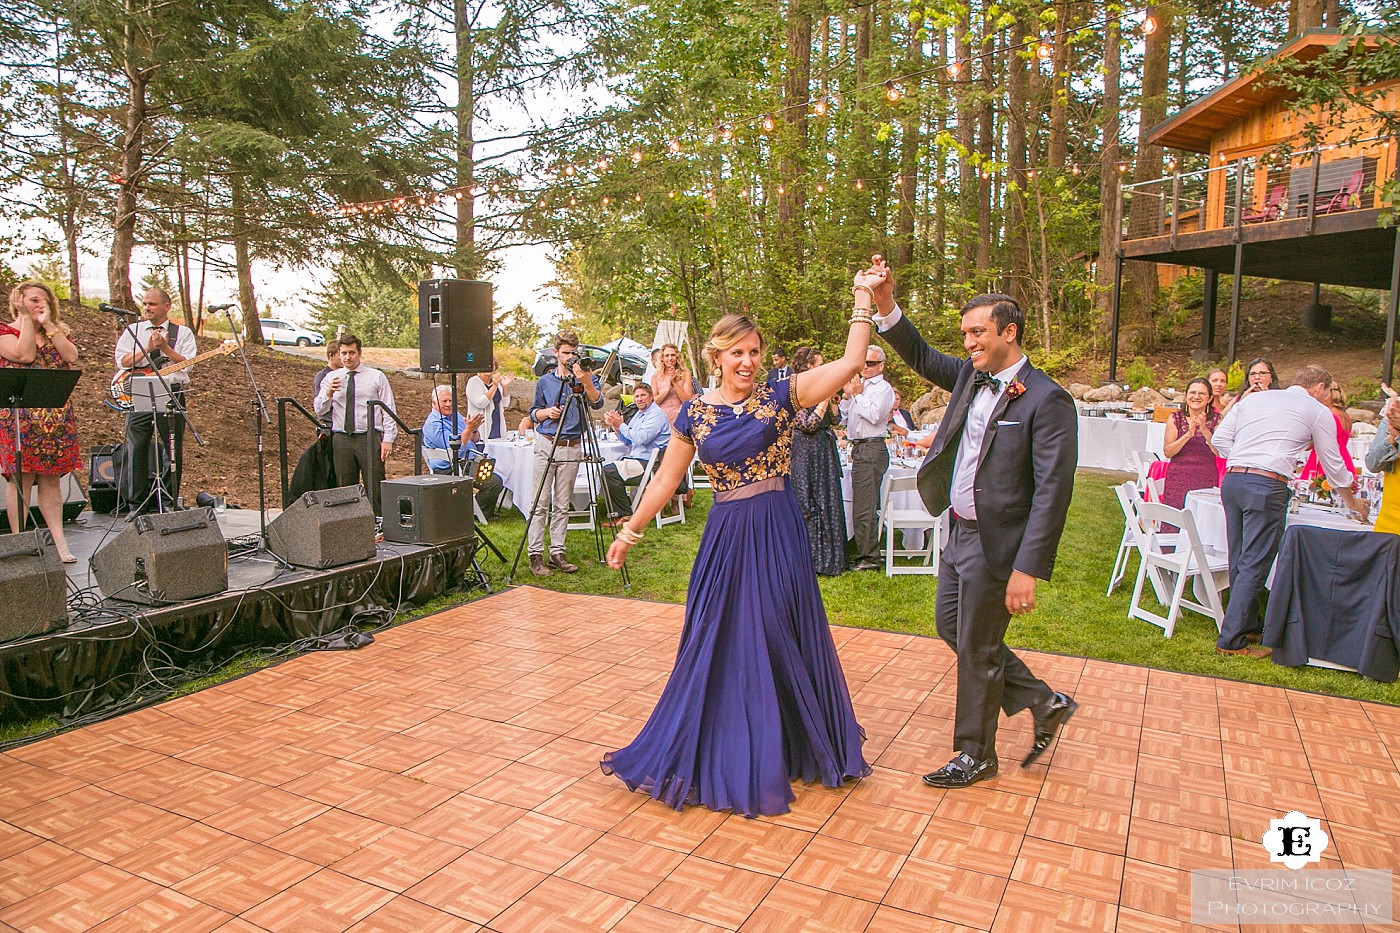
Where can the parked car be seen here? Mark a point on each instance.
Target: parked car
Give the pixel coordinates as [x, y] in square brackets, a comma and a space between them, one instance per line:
[289, 334]
[545, 360]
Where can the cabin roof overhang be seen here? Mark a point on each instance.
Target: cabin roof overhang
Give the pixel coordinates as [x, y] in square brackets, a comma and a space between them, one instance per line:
[1193, 129]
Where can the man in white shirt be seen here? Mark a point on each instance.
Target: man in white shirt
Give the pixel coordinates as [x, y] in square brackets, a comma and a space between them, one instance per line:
[148, 345]
[344, 399]
[872, 400]
[1263, 437]
[488, 395]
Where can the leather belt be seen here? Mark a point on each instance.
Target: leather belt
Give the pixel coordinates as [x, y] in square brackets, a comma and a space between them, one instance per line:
[969, 523]
[1258, 471]
[867, 440]
[567, 441]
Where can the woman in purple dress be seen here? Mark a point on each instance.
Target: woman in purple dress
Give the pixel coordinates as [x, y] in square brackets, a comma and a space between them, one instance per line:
[1187, 446]
[757, 697]
[816, 475]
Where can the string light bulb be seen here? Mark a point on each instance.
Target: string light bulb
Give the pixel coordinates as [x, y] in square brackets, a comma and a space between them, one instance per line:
[637, 197]
[1150, 21]
[1074, 170]
[602, 165]
[954, 70]
[1044, 50]
[726, 133]
[672, 195]
[782, 189]
[821, 188]
[860, 185]
[570, 171]
[636, 157]
[457, 195]
[1122, 167]
[573, 202]
[819, 108]
[768, 124]
[891, 92]
[675, 145]
[606, 200]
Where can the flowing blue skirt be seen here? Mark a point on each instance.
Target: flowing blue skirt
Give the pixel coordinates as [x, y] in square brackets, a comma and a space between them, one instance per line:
[757, 697]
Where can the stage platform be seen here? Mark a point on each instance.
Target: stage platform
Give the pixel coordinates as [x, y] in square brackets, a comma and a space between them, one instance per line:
[112, 648]
[446, 778]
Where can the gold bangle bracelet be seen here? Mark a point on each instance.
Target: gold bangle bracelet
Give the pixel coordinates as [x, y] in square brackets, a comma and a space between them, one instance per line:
[628, 536]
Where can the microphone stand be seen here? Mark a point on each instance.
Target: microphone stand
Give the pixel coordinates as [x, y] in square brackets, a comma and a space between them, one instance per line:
[260, 415]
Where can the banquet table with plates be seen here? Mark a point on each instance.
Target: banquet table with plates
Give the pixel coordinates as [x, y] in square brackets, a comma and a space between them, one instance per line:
[515, 465]
[899, 467]
[1205, 507]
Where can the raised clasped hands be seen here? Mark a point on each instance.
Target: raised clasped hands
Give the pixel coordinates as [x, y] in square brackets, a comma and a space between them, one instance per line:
[880, 280]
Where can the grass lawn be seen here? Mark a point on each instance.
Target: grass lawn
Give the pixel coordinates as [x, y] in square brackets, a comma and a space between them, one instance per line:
[1073, 616]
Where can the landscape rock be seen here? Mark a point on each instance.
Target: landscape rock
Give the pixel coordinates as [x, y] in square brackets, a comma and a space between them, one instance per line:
[1077, 389]
[1146, 398]
[1108, 393]
[1362, 416]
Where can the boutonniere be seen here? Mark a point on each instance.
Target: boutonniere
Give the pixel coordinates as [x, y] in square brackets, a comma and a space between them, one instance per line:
[1015, 388]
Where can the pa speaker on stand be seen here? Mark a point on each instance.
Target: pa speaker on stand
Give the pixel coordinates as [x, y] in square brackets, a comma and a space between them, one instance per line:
[454, 326]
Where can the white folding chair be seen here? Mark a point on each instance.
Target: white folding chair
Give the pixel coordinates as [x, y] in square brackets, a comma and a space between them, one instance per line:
[677, 501]
[1150, 489]
[1134, 539]
[896, 519]
[1173, 566]
[583, 505]
[699, 479]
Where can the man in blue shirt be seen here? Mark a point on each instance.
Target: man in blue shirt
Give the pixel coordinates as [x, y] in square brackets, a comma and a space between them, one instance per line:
[647, 431]
[553, 415]
[438, 431]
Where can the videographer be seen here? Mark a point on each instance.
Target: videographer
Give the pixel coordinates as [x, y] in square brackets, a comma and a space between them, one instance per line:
[552, 395]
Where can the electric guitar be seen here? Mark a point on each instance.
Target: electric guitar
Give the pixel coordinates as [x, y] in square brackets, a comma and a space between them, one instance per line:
[121, 382]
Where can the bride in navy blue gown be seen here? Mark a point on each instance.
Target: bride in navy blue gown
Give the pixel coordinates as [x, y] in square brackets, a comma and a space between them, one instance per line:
[757, 697]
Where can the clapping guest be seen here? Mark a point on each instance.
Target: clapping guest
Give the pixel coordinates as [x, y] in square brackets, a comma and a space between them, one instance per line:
[48, 437]
[672, 385]
[901, 422]
[816, 475]
[647, 432]
[1382, 458]
[1337, 402]
[1187, 446]
[488, 395]
[439, 430]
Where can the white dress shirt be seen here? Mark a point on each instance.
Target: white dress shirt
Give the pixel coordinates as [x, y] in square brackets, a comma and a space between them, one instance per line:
[370, 383]
[979, 412]
[479, 402]
[1272, 431]
[869, 412]
[184, 345]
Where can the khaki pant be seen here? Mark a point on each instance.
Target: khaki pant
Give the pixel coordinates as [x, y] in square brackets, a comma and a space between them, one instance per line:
[556, 498]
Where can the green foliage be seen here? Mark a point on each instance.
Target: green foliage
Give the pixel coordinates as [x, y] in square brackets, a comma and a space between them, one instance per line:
[374, 301]
[52, 271]
[1138, 374]
[517, 327]
[1235, 376]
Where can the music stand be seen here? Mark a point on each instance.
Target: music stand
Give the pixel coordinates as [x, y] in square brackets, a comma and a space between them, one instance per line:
[32, 388]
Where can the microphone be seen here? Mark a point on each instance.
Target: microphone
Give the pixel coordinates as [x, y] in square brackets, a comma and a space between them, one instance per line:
[220, 307]
[113, 309]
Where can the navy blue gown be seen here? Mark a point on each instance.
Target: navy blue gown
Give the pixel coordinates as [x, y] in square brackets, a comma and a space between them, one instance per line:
[757, 697]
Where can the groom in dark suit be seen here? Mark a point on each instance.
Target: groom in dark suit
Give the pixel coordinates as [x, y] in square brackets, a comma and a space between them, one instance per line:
[1003, 459]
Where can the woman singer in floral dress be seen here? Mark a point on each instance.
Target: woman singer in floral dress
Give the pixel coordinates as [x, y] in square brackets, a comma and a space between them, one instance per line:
[757, 697]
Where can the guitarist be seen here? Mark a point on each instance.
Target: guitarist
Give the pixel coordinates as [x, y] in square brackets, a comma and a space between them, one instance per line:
[148, 345]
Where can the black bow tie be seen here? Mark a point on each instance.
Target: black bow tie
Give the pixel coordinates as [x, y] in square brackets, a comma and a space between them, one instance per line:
[986, 380]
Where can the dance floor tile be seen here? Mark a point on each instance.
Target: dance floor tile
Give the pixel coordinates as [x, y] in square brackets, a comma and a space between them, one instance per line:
[446, 778]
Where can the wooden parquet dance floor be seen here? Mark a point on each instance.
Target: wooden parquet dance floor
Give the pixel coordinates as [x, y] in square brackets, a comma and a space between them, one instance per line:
[445, 779]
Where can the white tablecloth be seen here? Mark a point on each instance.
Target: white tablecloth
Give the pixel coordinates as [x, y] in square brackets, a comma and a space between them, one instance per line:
[1204, 505]
[515, 465]
[1108, 443]
[902, 500]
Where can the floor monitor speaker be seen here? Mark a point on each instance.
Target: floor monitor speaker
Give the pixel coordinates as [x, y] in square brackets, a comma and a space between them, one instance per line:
[325, 528]
[102, 479]
[164, 558]
[33, 588]
[428, 509]
[454, 326]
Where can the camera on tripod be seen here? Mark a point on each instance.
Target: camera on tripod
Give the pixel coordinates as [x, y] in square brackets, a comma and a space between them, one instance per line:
[583, 363]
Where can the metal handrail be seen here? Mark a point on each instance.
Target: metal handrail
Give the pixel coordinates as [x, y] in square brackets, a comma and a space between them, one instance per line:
[317, 423]
[416, 432]
[1315, 151]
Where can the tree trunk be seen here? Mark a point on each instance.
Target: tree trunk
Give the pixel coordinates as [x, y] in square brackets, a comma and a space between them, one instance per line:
[243, 262]
[986, 138]
[465, 260]
[1018, 269]
[132, 142]
[964, 229]
[908, 188]
[1146, 211]
[1058, 145]
[1109, 221]
[788, 237]
[68, 222]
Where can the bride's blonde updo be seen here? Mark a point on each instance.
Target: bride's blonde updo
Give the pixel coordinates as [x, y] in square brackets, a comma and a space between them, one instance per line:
[728, 331]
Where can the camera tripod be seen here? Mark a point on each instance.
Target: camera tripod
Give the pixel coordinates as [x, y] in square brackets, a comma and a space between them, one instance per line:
[590, 460]
[460, 468]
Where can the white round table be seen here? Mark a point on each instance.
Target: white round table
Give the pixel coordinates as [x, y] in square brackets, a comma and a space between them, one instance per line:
[515, 465]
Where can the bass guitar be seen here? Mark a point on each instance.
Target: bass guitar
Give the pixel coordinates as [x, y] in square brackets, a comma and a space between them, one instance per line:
[121, 382]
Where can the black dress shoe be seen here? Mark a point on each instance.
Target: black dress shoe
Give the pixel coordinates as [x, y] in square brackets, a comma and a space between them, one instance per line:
[865, 565]
[962, 771]
[1057, 714]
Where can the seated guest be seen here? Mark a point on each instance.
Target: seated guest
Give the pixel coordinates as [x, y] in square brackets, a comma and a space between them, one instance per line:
[649, 430]
[901, 422]
[1187, 446]
[438, 432]
[488, 394]
[1337, 402]
[332, 364]
[1382, 458]
[1259, 376]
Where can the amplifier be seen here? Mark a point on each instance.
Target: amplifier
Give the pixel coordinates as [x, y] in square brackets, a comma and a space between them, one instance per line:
[324, 528]
[428, 509]
[102, 478]
[33, 588]
[164, 558]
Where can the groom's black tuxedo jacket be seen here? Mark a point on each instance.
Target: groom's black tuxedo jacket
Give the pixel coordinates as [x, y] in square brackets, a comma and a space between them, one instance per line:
[1025, 475]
